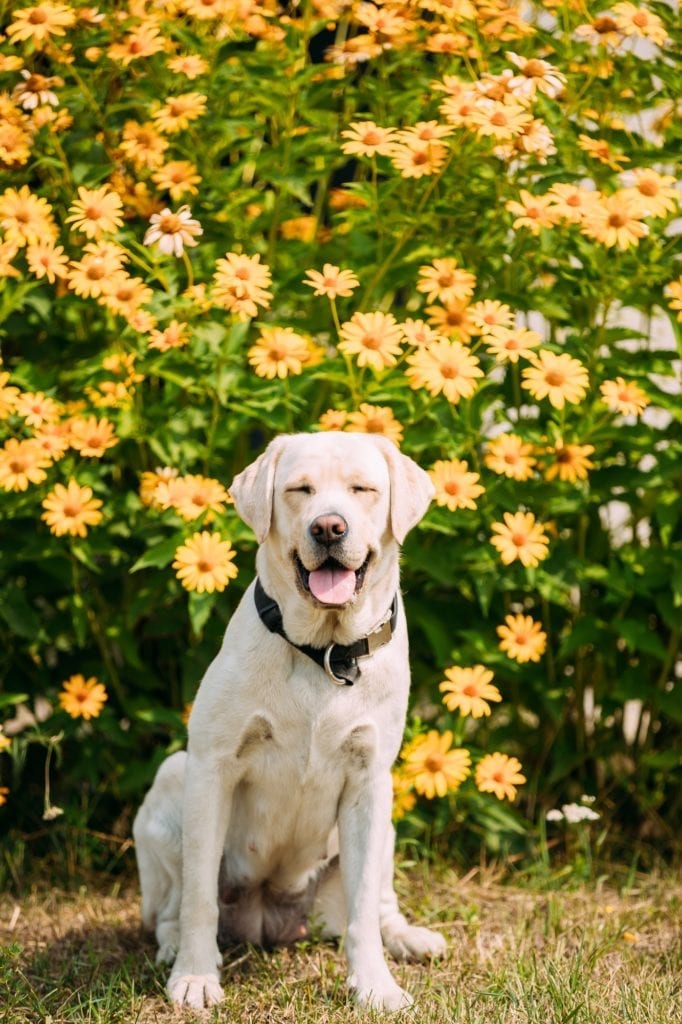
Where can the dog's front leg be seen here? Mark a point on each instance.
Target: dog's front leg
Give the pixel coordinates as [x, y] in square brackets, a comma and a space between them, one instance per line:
[364, 818]
[206, 808]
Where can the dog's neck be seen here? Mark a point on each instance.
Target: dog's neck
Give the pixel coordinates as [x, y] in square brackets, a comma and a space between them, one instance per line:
[308, 622]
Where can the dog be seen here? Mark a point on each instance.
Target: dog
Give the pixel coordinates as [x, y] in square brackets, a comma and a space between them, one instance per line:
[279, 812]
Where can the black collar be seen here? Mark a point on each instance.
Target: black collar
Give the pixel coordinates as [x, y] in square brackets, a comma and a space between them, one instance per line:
[339, 661]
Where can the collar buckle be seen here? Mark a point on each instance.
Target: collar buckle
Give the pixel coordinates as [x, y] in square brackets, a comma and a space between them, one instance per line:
[327, 666]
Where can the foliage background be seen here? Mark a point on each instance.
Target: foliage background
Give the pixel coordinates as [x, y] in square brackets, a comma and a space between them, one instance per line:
[275, 181]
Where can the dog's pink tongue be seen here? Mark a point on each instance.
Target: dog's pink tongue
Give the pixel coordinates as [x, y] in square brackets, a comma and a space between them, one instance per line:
[332, 586]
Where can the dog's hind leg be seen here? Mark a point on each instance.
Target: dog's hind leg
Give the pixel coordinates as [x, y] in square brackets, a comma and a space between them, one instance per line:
[157, 830]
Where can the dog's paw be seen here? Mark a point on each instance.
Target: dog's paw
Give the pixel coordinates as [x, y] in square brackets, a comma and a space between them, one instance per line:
[195, 990]
[411, 942]
[380, 995]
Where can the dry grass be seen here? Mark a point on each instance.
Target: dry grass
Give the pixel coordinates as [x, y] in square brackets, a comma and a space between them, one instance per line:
[552, 957]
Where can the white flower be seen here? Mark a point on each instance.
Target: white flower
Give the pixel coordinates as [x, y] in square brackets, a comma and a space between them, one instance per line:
[573, 813]
[172, 231]
[554, 815]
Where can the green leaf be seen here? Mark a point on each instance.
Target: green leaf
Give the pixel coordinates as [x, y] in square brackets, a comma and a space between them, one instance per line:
[200, 607]
[12, 698]
[640, 638]
[159, 556]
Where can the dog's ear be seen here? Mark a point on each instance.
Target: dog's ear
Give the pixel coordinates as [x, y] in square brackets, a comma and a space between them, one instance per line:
[411, 488]
[252, 490]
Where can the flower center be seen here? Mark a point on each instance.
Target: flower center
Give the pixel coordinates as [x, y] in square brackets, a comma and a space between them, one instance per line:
[640, 19]
[371, 138]
[533, 68]
[555, 378]
[452, 487]
[499, 119]
[38, 16]
[170, 224]
[434, 762]
[648, 187]
[203, 565]
[617, 220]
[604, 24]
[372, 342]
[519, 540]
[470, 690]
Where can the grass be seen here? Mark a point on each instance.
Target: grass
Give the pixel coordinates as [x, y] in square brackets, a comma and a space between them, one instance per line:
[517, 956]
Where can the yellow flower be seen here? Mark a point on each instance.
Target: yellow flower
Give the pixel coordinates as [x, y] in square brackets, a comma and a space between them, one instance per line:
[96, 211]
[447, 367]
[142, 41]
[8, 396]
[174, 335]
[332, 281]
[101, 260]
[5, 741]
[522, 639]
[649, 193]
[570, 463]
[40, 23]
[204, 563]
[419, 333]
[572, 202]
[490, 315]
[499, 774]
[501, 120]
[53, 439]
[82, 698]
[278, 352]
[374, 419]
[149, 483]
[92, 437]
[22, 463]
[511, 343]
[601, 151]
[45, 259]
[468, 690]
[416, 159]
[560, 378]
[124, 294]
[404, 797]
[173, 231]
[373, 337]
[615, 221]
[178, 112]
[443, 280]
[189, 495]
[455, 486]
[520, 537]
[365, 138]
[71, 509]
[36, 408]
[190, 65]
[510, 456]
[241, 284]
[25, 217]
[623, 396]
[4, 793]
[638, 21]
[532, 212]
[603, 31]
[333, 419]
[177, 177]
[433, 767]
[143, 144]
[452, 319]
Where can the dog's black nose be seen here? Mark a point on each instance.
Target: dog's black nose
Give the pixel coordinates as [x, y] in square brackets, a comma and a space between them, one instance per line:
[328, 528]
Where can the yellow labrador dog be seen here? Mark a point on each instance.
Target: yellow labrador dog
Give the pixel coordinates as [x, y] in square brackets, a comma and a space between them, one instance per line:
[280, 810]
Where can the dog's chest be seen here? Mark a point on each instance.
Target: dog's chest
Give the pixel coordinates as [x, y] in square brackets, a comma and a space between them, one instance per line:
[293, 770]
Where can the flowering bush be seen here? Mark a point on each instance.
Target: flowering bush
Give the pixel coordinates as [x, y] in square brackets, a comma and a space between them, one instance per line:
[451, 222]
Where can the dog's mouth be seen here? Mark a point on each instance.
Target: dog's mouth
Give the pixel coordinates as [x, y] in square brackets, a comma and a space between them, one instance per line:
[332, 583]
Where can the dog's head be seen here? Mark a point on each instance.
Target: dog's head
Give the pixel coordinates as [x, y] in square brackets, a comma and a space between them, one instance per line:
[330, 510]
